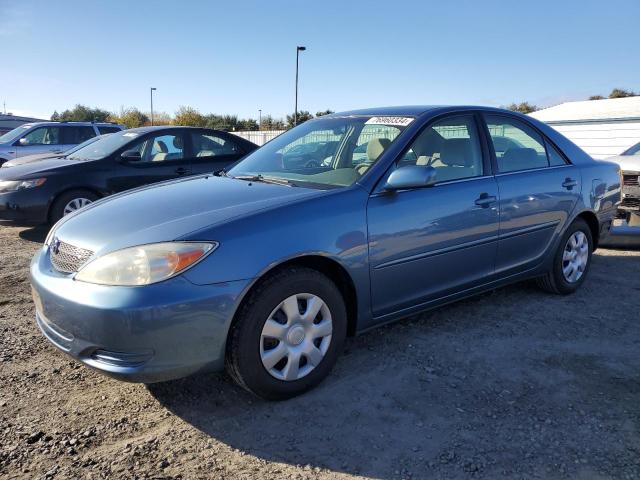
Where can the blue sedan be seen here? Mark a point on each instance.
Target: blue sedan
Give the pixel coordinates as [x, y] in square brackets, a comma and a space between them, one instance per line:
[266, 268]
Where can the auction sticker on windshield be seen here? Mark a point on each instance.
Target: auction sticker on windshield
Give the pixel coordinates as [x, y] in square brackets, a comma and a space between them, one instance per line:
[399, 121]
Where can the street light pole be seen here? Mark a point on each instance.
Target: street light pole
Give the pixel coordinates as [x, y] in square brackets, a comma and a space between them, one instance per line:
[152, 90]
[295, 112]
[259, 119]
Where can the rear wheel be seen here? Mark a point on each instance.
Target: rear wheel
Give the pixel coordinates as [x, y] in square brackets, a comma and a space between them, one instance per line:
[287, 335]
[572, 260]
[69, 202]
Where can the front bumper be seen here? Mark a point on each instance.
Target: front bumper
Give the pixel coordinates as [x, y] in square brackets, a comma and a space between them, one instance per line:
[24, 206]
[141, 334]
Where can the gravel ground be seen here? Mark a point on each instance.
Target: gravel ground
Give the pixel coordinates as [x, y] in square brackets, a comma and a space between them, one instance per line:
[511, 384]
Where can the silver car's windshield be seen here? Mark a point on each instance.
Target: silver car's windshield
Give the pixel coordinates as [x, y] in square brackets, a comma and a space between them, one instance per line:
[331, 152]
[635, 150]
[14, 134]
[104, 146]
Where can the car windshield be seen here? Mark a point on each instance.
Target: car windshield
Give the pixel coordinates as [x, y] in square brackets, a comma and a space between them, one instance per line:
[14, 134]
[635, 150]
[327, 152]
[106, 145]
[85, 143]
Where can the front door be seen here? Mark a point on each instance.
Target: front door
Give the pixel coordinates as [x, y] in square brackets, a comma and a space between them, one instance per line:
[427, 243]
[538, 190]
[162, 157]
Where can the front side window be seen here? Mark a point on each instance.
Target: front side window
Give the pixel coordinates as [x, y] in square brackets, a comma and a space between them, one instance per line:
[451, 146]
[210, 145]
[160, 148]
[332, 152]
[43, 136]
[517, 145]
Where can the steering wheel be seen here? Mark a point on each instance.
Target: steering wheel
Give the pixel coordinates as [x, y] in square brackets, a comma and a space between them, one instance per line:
[362, 167]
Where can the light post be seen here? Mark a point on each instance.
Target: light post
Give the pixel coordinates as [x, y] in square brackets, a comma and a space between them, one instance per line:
[152, 90]
[259, 119]
[295, 112]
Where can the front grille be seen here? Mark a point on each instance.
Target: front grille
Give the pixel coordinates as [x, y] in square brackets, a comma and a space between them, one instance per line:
[66, 258]
[631, 180]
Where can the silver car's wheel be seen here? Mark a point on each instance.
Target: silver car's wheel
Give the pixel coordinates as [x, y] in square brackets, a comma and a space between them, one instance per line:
[575, 257]
[75, 204]
[296, 337]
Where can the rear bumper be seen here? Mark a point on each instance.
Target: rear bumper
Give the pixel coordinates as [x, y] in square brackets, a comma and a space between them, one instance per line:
[139, 334]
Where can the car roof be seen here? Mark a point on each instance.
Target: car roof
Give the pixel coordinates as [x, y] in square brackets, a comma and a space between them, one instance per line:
[167, 127]
[39, 124]
[414, 110]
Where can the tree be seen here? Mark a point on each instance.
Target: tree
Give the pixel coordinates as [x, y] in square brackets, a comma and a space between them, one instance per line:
[82, 113]
[129, 117]
[55, 117]
[325, 112]
[596, 97]
[188, 116]
[522, 107]
[621, 93]
[159, 118]
[248, 124]
[269, 123]
[303, 116]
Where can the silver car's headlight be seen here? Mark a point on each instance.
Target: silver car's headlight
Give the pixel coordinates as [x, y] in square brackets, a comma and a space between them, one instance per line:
[144, 264]
[14, 185]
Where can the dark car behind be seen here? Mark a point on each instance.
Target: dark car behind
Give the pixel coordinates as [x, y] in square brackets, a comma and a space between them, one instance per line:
[47, 190]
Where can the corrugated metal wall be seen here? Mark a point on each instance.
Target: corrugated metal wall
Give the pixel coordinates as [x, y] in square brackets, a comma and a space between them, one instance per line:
[601, 139]
[259, 137]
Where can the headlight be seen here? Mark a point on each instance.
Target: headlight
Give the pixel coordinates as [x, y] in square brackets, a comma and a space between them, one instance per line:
[13, 185]
[144, 264]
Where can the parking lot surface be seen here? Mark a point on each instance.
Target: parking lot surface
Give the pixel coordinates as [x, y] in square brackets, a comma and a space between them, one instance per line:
[514, 383]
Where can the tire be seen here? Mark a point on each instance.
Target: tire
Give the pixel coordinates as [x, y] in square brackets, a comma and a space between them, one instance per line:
[63, 201]
[556, 281]
[250, 352]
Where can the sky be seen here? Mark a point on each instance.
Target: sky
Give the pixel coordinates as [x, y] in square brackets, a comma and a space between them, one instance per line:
[238, 57]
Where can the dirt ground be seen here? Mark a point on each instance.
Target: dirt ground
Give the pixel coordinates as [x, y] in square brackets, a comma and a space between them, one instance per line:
[511, 384]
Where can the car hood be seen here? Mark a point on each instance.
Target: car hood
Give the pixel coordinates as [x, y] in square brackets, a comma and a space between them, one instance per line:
[30, 159]
[171, 210]
[35, 169]
[627, 162]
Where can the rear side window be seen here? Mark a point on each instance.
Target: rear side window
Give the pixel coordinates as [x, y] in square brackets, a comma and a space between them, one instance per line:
[517, 145]
[211, 145]
[75, 135]
[555, 157]
[104, 130]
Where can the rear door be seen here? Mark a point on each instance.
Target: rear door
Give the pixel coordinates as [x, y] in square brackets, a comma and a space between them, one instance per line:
[162, 157]
[211, 151]
[538, 191]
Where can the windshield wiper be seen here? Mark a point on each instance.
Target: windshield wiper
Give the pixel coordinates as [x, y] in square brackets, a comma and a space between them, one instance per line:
[263, 179]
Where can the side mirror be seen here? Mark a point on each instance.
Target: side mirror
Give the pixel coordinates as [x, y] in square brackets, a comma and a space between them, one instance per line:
[131, 156]
[411, 176]
[23, 142]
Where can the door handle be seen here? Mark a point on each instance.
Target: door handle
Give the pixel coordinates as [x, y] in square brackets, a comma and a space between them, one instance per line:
[569, 183]
[181, 171]
[484, 200]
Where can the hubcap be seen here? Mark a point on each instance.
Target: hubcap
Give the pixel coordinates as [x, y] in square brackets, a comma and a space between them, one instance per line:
[75, 204]
[575, 257]
[296, 336]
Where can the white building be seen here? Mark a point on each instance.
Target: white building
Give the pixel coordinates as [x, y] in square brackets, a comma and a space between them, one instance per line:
[602, 128]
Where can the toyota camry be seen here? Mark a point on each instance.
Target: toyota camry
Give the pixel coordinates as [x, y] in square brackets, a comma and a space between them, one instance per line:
[265, 268]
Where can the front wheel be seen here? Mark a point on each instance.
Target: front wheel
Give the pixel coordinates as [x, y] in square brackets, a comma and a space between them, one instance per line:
[69, 202]
[287, 334]
[571, 261]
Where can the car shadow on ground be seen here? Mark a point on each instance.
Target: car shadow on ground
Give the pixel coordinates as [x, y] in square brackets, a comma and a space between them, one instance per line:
[438, 394]
[36, 234]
